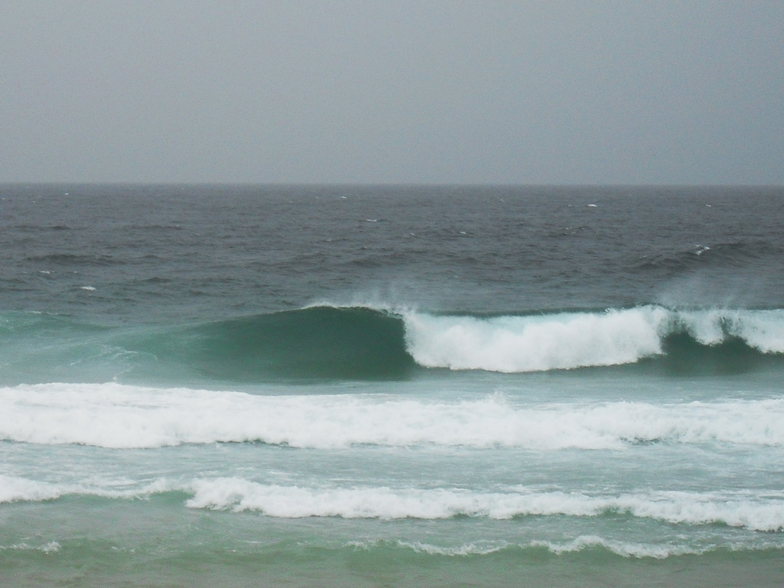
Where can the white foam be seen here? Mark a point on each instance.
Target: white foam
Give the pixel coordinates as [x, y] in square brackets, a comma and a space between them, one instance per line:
[573, 340]
[47, 548]
[478, 548]
[622, 548]
[763, 330]
[535, 343]
[762, 511]
[756, 513]
[16, 489]
[119, 416]
[581, 543]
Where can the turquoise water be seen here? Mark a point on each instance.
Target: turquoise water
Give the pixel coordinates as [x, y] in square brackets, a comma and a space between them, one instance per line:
[332, 386]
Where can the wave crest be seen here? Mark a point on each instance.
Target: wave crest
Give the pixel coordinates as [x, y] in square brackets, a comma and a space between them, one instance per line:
[236, 494]
[572, 340]
[535, 343]
[762, 511]
[362, 343]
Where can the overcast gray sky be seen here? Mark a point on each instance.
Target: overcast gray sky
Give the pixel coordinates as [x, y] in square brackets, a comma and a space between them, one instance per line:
[661, 92]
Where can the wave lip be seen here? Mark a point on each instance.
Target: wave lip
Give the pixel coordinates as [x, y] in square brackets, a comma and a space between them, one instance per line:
[760, 329]
[313, 342]
[117, 416]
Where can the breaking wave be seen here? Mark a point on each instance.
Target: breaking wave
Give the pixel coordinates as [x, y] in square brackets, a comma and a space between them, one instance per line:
[573, 340]
[236, 494]
[755, 512]
[361, 343]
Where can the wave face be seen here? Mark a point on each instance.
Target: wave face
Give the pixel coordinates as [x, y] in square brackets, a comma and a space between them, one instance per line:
[318, 342]
[116, 416]
[365, 343]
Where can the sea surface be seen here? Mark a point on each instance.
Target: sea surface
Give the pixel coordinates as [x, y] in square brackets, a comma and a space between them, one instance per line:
[332, 386]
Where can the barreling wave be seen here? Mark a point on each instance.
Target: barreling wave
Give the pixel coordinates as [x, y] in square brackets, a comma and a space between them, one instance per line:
[316, 342]
[117, 416]
[362, 343]
[753, 511]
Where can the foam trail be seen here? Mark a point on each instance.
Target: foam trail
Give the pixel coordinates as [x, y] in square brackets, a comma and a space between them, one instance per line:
[118, 416]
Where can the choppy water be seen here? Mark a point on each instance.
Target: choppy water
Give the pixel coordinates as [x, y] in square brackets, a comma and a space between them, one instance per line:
[362, 386]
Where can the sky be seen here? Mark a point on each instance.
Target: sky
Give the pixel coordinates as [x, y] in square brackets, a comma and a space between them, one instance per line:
[393, 91]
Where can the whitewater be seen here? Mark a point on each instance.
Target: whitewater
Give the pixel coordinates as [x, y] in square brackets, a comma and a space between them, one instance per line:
[398, 386]
[573, 340]
[119, 416]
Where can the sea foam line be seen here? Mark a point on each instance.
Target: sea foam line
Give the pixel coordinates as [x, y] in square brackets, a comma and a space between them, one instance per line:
[119, 416]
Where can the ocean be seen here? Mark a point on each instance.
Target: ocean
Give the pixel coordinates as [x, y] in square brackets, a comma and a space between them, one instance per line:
[407, 386]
